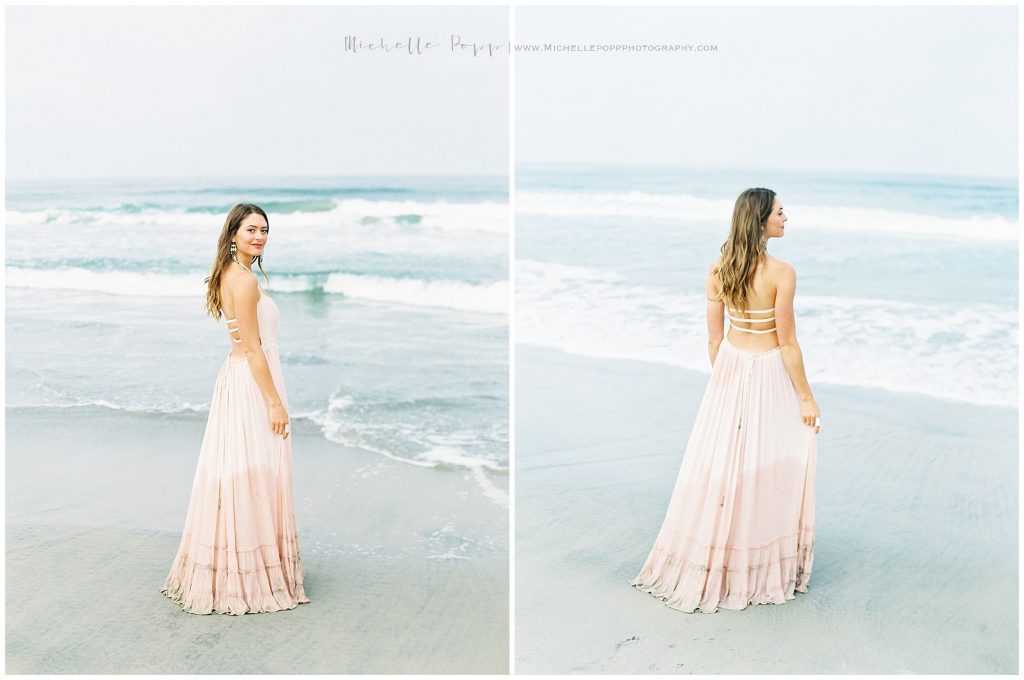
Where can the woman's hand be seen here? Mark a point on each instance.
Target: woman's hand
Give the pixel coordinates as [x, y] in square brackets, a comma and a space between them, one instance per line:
[278, 419]
[809, 411]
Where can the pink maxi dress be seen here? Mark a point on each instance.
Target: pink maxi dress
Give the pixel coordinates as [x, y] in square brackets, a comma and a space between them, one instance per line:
[739, 528]
[239, 552]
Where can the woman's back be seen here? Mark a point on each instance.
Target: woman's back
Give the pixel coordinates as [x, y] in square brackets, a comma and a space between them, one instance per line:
[753, 328]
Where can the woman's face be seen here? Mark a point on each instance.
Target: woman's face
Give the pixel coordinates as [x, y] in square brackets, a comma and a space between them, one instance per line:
[251, 237]
[776, 223]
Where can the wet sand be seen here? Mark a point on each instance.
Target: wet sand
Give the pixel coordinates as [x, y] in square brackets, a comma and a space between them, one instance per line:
[915, 567]
[406, 567]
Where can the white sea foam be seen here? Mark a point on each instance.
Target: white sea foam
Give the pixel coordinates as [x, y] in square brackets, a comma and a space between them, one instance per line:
[489, 298]
[415, 228]
[719, 212]
[112, 282]
[135, 407]
[966, 352]
[455, 457]
[444, 215]
[341, 425]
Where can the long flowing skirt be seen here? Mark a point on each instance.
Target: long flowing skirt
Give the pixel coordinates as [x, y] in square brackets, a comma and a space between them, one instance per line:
[239, 552]
[739, 528]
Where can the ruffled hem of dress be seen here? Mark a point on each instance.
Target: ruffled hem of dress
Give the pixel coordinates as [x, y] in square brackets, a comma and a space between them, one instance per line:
[252, 587]
[768, 574]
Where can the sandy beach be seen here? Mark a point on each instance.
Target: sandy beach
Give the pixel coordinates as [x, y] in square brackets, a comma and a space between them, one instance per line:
[915, 567]
[406, 567]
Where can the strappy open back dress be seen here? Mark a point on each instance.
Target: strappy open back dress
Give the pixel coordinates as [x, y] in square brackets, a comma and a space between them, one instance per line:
[739, 528]
[239, 552]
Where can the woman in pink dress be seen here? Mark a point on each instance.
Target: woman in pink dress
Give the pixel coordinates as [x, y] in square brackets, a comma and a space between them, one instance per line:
[239, 552]
[739, 528]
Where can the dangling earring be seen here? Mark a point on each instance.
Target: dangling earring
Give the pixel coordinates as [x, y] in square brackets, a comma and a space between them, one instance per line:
[233, 250]
[764, 241]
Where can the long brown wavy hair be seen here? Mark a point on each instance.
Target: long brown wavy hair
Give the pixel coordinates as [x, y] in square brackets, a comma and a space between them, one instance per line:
[745, 247]
[223, 258]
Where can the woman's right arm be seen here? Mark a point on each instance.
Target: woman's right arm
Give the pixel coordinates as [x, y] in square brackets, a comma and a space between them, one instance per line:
[792, 357]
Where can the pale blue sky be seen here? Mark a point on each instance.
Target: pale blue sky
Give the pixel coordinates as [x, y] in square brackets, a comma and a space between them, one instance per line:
[131, 91]
[229, 91]
[879, 89]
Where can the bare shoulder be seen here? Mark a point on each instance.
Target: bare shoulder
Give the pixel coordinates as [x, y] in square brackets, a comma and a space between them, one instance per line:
[779, 269]
[714, 265]
[241, 283]
[783, 275]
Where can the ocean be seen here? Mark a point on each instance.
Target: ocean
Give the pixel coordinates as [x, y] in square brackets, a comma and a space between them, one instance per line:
[393, 293]
[904, 283]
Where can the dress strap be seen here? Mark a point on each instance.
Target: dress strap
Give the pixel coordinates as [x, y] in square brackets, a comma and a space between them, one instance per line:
[750, 330]
[753, 311]
[736, 318]
[234, 330]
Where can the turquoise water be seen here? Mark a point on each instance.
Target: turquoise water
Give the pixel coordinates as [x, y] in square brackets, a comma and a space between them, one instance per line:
[392, 290]
[907, 284]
